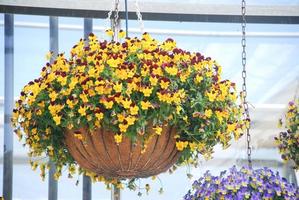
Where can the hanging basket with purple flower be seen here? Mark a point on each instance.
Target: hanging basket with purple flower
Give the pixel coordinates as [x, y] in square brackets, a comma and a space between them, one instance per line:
[288, 140]
[245, 183]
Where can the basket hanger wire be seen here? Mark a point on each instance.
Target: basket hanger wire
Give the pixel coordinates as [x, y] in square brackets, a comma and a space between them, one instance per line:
[139, 16]
[115, 21]
[244, 86]
[108, 19]
[112, 19]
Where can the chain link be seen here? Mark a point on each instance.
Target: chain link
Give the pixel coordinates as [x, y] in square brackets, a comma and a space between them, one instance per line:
[244, 87]
[108, 19]
[139, 16]
[115, 21]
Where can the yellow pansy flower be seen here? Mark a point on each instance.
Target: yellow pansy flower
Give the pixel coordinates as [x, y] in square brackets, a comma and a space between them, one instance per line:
[100, 68]
[70, 103]
[99, 116]
[231, 127]
[219, 116]
[144, 71]
[157, 71]
[123, 127]
[34, 131]
[279, 124]
[181, 145]
[208, 113]
[49, 55]
[57, 119]
[121, 74]
[113, 62]
[108, 104]
[134, 110]
[100, 89]
[92, 72]
[172, 70]
[209, 74]
[147, 91]
[118, 99]
[91, 92]
[237, 133]
[109, 32]
[153, 80]
[211, 96]
[121, 34]
[34, 165]
[53, 95]
[39, 112]
[62, 80]
[145, 105]
[70, 126]
[193, 146]
[126, 103]
[52, 108]
[198, 78]
[83, 97]
[164, 84]
[50, 150]
[82, 110]
[131, 86]
[117, 87]
[158, 130]
[118, 138]
[120, 117]
[178, 109]
[161, 97]
[147, 187]
[130, 120]
[184, 76]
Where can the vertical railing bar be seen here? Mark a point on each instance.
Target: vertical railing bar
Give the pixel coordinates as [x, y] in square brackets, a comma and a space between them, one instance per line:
[115, 193]
[8, 106]
[87, 27]
[52, 185]
[87, 192]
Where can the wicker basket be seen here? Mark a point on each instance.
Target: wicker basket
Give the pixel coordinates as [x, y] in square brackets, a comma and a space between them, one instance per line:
[98, 152]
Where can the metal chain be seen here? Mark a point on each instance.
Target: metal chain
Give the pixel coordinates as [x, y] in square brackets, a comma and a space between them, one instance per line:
[115, 19]
[110, 12]
[139, 16]
[244, 87]
[108, 18]
[113, 23]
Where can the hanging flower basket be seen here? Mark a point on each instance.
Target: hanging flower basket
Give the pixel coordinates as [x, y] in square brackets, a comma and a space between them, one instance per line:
[245, 183]
[127, 110]
[288, 141]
